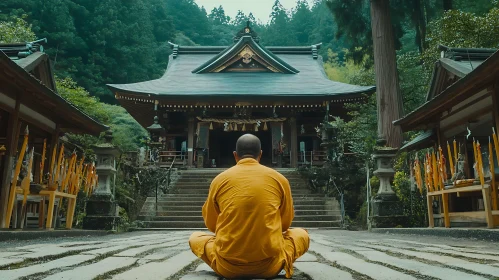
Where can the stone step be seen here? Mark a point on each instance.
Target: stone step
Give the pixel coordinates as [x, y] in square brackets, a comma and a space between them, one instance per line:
[198, 207]
[200, 202]
[200, 224]
[194, 197]
[200, 218]
[197, 212]
[205, 191]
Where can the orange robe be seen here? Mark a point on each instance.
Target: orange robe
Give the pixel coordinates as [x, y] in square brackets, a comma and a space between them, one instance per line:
[250, 209]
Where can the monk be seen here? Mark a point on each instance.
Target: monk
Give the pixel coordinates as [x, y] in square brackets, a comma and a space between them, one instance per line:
[250, 209]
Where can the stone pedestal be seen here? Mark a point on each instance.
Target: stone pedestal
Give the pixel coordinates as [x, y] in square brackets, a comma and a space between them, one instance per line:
[101, 212]
[101, 208]
[387, 208]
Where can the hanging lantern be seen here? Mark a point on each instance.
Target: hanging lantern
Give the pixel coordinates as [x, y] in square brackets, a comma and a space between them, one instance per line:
[265, 128]
[211, 126]
[244, 127]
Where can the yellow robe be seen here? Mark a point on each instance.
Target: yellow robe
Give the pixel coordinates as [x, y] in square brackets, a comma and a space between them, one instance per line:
[250, 209]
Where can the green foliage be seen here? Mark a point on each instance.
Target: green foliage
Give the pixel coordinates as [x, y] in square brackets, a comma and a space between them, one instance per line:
[77, 95]
[16, 30]
[461, 30]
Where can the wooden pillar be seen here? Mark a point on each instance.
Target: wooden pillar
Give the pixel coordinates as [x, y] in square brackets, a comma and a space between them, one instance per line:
[10, 154]
[190, 141]
[294, 142]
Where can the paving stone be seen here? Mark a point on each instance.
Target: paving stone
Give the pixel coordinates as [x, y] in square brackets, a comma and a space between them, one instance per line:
[43, 267]
[446, 251]
[106, 250]
[46, 251]
[476, 267]
[158, 270]
[375, 271]
[11, 254]
[307, 258]
[204, 267]
[320, 271]
[93, 270]
[139, 250]
[478, 250]
[421, 268]
[201, 275]
[160, 255]
[9, 261]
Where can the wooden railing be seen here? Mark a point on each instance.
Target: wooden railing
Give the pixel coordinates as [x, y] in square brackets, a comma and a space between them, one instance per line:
[312, 158]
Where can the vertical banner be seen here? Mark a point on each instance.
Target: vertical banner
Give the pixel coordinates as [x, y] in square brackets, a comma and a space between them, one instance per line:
[275, 129]
[203, 135]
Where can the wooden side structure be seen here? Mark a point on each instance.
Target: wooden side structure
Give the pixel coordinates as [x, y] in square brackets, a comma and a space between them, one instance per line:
[462, 106]
[211, 95]
[28, 98]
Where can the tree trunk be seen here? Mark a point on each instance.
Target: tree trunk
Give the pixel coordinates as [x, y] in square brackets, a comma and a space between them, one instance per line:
[447, 4]
[387, 80]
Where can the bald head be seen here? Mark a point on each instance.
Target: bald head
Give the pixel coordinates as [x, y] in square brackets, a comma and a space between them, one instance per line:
[248, 145]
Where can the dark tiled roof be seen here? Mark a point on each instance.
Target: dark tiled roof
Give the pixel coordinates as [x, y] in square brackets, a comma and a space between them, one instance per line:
[179, 81]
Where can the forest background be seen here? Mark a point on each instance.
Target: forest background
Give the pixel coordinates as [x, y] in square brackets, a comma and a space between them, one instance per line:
[93, 43]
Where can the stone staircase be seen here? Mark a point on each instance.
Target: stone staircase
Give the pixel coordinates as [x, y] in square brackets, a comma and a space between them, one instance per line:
[182, 208]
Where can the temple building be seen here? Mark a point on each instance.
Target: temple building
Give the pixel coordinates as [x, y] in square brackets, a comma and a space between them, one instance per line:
[210, 95]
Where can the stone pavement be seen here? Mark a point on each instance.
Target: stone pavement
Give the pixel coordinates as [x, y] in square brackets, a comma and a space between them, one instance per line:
[332, 255]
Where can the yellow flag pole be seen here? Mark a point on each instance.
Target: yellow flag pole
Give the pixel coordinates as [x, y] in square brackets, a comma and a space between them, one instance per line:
[480, 163]
[492, 177]
[451, 162]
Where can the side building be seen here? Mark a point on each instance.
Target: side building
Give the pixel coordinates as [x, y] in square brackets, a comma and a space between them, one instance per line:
[29, 98]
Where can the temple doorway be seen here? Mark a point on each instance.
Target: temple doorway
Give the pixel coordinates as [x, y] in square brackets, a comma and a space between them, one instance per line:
[223, 144]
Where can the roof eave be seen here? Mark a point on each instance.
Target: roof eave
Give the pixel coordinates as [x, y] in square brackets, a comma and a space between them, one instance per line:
[94, 128]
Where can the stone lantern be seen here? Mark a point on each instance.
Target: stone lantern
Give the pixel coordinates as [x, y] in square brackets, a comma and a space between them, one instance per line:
[155, 132]
[387, 208]
[101, 206]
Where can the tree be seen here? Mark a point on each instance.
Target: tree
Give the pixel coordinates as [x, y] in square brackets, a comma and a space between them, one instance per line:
[15, 31]
[218, 17]
[302, 21]
[279, 31]
[387, 81]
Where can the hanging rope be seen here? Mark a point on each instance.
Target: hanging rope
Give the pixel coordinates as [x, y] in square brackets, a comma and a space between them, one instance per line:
[242, 121]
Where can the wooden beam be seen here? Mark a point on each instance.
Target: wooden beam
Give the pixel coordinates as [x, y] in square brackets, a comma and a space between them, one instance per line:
[10, 154]
[471, 103]
[466, 119]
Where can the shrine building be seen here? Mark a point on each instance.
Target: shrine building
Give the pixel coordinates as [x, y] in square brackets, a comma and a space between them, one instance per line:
[211, 95]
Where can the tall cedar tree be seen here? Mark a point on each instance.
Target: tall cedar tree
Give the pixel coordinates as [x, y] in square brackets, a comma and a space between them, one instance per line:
[387, 80]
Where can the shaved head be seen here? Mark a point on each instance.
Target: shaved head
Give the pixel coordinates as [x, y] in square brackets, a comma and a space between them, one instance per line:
[248, 145]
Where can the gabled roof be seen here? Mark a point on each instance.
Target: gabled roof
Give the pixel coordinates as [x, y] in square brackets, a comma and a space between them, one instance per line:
[243, 71]
[485, 73]
[454, 65]
[245, 48]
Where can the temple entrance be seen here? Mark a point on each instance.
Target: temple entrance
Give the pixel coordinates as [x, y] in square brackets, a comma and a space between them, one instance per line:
[223, 144]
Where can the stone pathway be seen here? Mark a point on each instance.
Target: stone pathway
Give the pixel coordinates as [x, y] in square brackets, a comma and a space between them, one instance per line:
[338, 255]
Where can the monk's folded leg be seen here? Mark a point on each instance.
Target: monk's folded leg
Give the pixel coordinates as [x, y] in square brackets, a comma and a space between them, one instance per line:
[296, 242]
[201, 244]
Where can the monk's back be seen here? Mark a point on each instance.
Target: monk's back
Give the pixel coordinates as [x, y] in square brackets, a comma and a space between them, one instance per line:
[249, 197]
